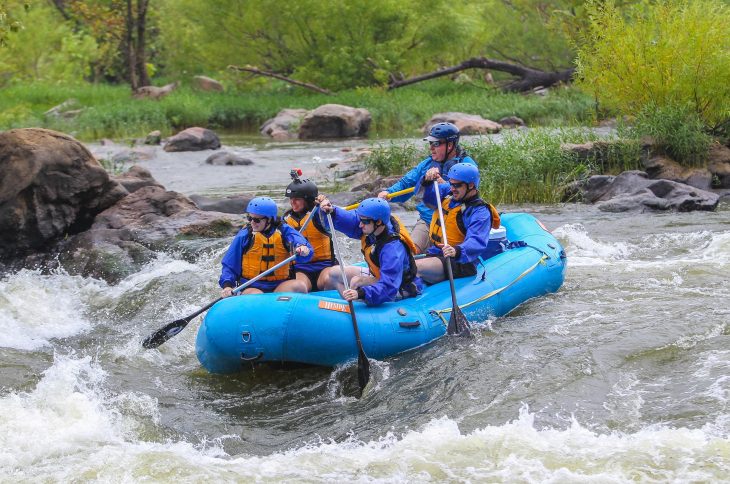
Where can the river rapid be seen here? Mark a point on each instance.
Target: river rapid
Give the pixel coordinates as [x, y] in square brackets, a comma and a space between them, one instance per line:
[623, 375]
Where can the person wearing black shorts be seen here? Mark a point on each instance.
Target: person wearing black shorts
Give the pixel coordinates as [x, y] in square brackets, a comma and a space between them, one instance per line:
[467, 222]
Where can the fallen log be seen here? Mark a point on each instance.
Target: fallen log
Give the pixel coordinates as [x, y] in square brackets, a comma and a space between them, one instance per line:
[529, 78]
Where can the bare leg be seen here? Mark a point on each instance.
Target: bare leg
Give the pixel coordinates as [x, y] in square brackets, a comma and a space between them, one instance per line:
[431, 270]
[252, 290]
[359, 281]
[323, 277]
[334, 276]
[302, 277]
[420, 234]
[292, 285]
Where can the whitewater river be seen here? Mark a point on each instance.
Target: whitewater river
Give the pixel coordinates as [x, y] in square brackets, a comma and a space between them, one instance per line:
[623, 375]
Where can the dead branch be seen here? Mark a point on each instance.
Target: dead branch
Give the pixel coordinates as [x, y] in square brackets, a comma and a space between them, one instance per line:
[259, 72]
[529, 78]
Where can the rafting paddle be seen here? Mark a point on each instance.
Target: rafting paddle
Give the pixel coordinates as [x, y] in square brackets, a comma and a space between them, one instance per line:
[168, 331]
[363, 365]
[458, 323]
[390, 195]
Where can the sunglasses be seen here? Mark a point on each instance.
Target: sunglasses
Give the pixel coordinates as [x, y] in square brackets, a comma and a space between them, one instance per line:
[366, 221]
[435, 144]
[457, 185]
[255, 219]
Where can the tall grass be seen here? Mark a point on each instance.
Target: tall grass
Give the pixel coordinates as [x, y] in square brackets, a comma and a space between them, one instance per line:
[110, 111]
[523, 167]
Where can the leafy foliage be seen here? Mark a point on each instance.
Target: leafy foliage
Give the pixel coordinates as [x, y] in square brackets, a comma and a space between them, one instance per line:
[45, 49]
[665, 53]
[675, 129]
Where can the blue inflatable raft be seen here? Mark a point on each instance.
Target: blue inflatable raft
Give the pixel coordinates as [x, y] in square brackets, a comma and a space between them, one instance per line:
[316, 328]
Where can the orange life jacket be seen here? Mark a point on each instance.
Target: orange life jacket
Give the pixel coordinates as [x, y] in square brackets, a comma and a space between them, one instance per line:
[371, 251]
[264, 252]
[315, 234]
[454, 221]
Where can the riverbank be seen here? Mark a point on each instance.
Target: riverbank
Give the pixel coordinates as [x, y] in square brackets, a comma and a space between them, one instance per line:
[104, 111]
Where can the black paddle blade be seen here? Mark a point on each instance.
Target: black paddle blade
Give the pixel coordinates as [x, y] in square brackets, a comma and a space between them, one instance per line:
[363, 370]
[163, 334]
[458, 324]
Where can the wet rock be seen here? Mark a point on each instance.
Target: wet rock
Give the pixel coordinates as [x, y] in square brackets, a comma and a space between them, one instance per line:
[235, 204]
[135, 178]
[511, 122]
[51, 186]
[467, 123]
[68, 109]
[225, 158]
[284, 125]
[335, 121]
[718, 163]
[663, 167]
[126, 235]
[154, 92]
[193, 139]
[205, 83]
[153, 138]
[132, 156]
[634, 191]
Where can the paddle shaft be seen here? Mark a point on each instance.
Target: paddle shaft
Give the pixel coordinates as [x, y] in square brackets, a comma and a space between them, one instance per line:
[390, 195]
[363, 365]
[168, 331]
[446, 242]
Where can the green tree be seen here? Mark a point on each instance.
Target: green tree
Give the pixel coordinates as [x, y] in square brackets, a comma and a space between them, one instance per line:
[335, 44]
[664, 53]
[46, 49]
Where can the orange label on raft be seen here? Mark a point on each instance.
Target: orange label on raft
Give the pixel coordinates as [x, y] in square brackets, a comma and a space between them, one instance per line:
[333, 306]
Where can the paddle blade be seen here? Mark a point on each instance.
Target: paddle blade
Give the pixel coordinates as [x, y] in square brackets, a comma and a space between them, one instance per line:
[363, 370]
[458, 324]
[163, 334]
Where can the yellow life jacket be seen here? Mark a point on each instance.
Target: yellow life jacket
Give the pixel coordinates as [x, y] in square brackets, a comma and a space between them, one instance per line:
[315, 234]
[454, 221]
[371, 251]
[264, 252]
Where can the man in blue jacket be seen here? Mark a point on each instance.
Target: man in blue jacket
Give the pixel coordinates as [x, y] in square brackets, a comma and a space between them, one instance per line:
[467, 221]
[262, 244]
[391, 270]
[443, 141]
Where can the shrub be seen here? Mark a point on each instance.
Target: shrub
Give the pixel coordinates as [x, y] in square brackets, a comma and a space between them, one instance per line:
[664, 53]
[678, 131]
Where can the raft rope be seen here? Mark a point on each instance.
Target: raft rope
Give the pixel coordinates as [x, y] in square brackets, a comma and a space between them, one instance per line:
[440, 312]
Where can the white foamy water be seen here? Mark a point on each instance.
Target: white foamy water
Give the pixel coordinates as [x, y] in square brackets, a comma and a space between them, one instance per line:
[68, 428]
[35, 308]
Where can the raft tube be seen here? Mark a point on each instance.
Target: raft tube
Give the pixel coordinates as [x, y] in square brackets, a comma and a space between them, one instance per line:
[317, 329]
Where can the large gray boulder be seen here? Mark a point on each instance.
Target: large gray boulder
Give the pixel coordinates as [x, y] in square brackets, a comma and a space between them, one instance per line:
[128, 234]
[663, 167]
[467, 123]
[634, 191]
[135, 178]
[226, 158]
[51, 186]
[284, 125]
[193, 139]
[335, 121]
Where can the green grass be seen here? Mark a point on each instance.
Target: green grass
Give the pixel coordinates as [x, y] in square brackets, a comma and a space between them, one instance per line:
[523, 167]
[109, 111]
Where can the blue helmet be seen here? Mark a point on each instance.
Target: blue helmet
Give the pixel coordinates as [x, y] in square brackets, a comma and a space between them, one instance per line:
[443, 131]
[465, 172]
[374, 208]
[263, 206]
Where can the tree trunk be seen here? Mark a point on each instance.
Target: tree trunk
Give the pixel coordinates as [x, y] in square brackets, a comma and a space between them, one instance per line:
[129, 48]
[140, 56]
[528, 78]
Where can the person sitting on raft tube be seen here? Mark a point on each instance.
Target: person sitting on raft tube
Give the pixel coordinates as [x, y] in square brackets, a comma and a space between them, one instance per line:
[388, 251]
[263, 243]
[302, 194]
[468, 220]
[443, 142]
